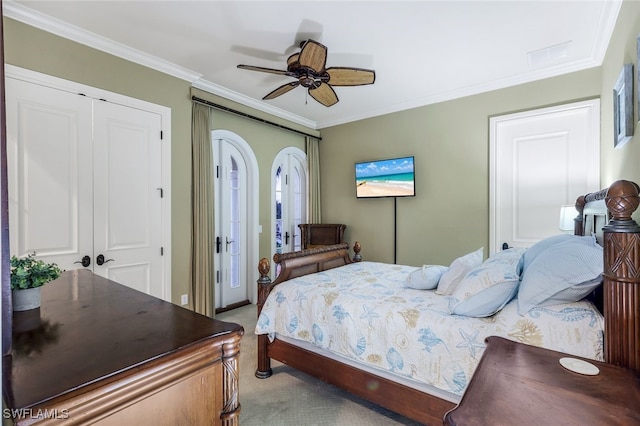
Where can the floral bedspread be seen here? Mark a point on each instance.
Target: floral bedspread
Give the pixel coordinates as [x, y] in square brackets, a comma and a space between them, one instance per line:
[363, 312]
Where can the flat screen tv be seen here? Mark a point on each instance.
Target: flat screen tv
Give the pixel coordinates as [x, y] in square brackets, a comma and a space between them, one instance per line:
[393, 177]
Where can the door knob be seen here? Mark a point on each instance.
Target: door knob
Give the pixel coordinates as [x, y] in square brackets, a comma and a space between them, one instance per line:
[86, 261]
[100, 259]
[228, 241]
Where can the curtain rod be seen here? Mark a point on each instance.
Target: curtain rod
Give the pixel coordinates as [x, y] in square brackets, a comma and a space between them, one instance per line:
[253, 117]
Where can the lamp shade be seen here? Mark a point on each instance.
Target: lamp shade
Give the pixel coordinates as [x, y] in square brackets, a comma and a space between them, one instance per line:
[567, 214]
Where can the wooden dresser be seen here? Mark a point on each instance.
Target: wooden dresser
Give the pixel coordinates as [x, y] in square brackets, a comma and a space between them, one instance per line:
[321, 234]
[97, 352]
[517, 384]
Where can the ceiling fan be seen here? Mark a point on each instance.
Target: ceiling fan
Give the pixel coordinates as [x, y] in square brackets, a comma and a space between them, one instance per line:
[308, 67]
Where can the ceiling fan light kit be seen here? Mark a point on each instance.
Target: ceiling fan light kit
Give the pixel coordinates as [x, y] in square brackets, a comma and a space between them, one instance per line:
[309, 68]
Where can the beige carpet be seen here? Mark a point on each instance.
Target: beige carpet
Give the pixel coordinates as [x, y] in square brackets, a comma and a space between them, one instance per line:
[290, 397]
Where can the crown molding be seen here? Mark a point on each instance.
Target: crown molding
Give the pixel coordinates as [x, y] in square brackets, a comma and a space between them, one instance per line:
[603, 32]
[216, 89]
[33, 18]
[47, 23]
[602, 36]
[468, 91]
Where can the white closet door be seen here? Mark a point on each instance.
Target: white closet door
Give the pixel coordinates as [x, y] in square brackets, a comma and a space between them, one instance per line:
[50, 173]
[541, 160]
[85, 179]
[127, 196]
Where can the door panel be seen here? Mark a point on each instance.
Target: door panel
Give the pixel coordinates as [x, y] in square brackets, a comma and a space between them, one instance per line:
[136, 275]
[49, 164]
[540, 161]
[298, 206]
[127, 196]
[289, 191]
[231, 224]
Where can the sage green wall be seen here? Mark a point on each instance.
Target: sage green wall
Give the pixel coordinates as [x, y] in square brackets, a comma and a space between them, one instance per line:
[621, 163]
[450, 216]
[450, 140]
[37, 50]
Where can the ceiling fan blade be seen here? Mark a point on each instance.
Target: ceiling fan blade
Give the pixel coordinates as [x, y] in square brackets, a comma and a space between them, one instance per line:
[282, 90]
[262, 69]
[324, 94]
[292, 62]
[342, 76]
[313, 55]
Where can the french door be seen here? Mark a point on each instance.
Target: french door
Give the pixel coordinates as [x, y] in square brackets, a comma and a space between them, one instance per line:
[231, 224]
[289, 199]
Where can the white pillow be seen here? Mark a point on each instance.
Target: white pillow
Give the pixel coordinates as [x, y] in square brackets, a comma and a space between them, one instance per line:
[425, 278]
[458, 270]
[487, 288]
[563, 273]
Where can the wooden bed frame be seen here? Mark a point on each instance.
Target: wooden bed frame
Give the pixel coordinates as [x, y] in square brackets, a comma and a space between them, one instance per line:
[621, 305]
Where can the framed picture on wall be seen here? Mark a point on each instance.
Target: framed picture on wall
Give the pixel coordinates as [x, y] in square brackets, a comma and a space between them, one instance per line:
[623, 106]
[638, 73]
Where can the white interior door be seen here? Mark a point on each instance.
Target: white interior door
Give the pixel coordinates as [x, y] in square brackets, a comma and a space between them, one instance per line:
[231, 225]
[128, 196]
[50, 173]
[540, 160]
[85, 181]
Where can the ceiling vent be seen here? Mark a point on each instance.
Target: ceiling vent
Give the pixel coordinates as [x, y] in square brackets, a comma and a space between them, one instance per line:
[549, 55]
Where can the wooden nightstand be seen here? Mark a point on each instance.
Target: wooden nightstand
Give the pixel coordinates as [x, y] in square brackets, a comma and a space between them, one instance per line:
[517, 384]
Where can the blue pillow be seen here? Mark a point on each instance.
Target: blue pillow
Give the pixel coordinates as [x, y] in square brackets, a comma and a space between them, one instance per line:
[486, 289]
[425, 278]
[542, 245]
[512, 254]
[563, 273]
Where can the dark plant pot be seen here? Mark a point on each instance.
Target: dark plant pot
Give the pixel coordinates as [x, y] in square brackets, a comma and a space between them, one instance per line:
[26, 299]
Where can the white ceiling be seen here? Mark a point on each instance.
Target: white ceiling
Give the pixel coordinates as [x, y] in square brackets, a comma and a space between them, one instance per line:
[422, 51]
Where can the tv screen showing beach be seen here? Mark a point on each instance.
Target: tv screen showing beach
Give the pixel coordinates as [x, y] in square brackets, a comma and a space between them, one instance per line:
[385, 178]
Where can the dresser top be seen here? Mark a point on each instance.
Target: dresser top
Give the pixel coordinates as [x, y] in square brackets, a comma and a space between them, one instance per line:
[90, 328]
[516, 383]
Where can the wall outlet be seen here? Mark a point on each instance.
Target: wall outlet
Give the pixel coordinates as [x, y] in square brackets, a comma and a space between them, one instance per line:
[184, 299]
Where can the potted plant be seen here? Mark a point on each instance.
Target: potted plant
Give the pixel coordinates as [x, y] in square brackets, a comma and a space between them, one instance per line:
[28, 275]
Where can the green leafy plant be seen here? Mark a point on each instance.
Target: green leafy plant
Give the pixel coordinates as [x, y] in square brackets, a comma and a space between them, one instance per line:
[28, 272]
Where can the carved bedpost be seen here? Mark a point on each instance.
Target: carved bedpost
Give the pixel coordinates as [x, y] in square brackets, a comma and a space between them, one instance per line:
[356, 249]
[622, 277]
[264, 287]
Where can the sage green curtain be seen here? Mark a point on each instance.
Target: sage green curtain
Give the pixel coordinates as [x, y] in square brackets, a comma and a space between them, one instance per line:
[202, 203]
[313, 166]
